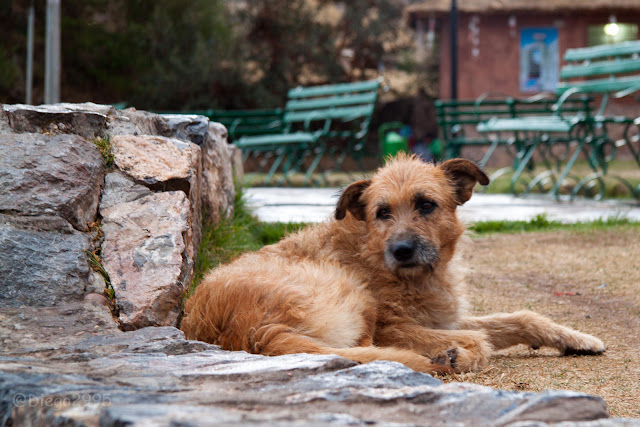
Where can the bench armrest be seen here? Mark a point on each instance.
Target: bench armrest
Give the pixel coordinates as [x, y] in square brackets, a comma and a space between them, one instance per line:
[232, 129]
[479, 100]
[311, 117]
[538, 97]
[627, 91]
[557, 107]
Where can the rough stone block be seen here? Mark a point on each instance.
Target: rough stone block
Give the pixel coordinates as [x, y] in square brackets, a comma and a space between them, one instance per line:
[88, 120]
[133, 122]
[145, 254]
[188, 127]
[217, 168]
[45, 175]
[154, 376]
[237, 164]
[4, 122]
[165, 164]
[32, 330]
[42, 262]
[118, 188]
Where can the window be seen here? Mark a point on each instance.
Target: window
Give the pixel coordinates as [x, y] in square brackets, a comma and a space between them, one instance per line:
[613, 32]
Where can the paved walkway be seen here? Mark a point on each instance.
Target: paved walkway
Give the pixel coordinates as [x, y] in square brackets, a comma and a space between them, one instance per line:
[316, 204]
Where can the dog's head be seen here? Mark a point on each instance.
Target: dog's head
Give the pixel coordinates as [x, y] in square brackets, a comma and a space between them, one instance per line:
[409, 210]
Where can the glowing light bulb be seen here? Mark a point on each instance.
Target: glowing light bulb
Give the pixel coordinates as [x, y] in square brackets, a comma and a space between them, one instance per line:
[612, 29]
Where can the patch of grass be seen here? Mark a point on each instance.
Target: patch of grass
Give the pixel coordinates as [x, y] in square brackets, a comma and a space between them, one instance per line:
[104, 145]
[541, 223]
[234, 236]
[96, 265]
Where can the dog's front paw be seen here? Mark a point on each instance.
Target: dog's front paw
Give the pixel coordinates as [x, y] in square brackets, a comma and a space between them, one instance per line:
[470, 352]
[471, 360]
[583, 345]
[446, 358]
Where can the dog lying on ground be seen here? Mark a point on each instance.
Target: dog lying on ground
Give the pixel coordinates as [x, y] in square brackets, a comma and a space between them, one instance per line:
[382, 281]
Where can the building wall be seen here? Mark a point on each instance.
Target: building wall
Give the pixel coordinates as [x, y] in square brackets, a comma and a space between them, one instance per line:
[496, 68]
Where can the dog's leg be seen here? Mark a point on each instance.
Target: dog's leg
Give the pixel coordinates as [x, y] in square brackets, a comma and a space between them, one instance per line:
[407, 357]
[526, 327]
[275, 340]
[462, 350]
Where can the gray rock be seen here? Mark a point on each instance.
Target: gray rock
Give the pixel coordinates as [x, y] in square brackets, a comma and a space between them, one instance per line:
[219, 161]
[46, 329]
[146, 256]
[217, 172]
[153, 376]
[50, 175]
[4, 123]
[133, 122]
[238, 165]
[41, 268]
[192, 128]
[88, 120]
[96, 283]
[118, 188]
[602, 422]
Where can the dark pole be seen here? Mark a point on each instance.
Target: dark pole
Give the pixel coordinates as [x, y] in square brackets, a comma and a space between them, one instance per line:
[453, 27]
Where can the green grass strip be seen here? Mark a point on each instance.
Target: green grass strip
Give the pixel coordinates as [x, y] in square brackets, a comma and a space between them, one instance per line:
[104, 145]
[541, 223]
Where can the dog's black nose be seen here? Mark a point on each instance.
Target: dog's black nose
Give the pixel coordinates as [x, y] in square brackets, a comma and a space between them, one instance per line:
[403, 250]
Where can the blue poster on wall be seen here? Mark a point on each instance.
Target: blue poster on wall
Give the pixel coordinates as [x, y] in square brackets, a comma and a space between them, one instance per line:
[539, 60]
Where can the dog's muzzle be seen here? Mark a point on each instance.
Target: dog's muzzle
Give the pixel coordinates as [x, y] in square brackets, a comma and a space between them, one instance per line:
[410, 252]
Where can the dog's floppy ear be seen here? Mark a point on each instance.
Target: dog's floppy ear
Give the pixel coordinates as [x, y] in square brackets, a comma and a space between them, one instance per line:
[464, 175]
[350, 200]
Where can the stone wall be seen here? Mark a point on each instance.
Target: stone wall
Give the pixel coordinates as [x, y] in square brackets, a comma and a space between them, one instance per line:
[154, 377]
[140, 213]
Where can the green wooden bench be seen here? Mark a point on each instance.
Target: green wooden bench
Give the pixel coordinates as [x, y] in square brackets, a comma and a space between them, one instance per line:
[317, 120]
[240, 123]
[246, 123]
[605, 71]
[458, 121]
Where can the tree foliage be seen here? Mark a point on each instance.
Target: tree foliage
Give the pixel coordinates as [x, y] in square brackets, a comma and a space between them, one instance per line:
[172, 55]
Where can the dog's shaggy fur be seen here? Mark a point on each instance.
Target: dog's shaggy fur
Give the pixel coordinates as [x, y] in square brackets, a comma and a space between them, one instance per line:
[380, 282]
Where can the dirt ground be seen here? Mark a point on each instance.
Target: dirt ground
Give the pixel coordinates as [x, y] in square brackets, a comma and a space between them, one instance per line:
[589, 280]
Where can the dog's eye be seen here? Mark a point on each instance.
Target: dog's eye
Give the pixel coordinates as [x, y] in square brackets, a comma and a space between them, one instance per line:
[426, 206]
[383, 213]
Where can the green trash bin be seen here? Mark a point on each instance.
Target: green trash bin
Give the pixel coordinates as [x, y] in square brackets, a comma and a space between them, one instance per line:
[437, 150]
[391, 142]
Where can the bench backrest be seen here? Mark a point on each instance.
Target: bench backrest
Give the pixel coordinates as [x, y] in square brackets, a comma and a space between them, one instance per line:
[602, 69]
[339, 103]
[455, 118]
[241, 123]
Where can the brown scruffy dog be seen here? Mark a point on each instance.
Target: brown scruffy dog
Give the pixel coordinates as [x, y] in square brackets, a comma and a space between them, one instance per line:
[380, 282]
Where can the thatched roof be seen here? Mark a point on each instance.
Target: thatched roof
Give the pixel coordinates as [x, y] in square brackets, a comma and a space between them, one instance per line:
[427, 7]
